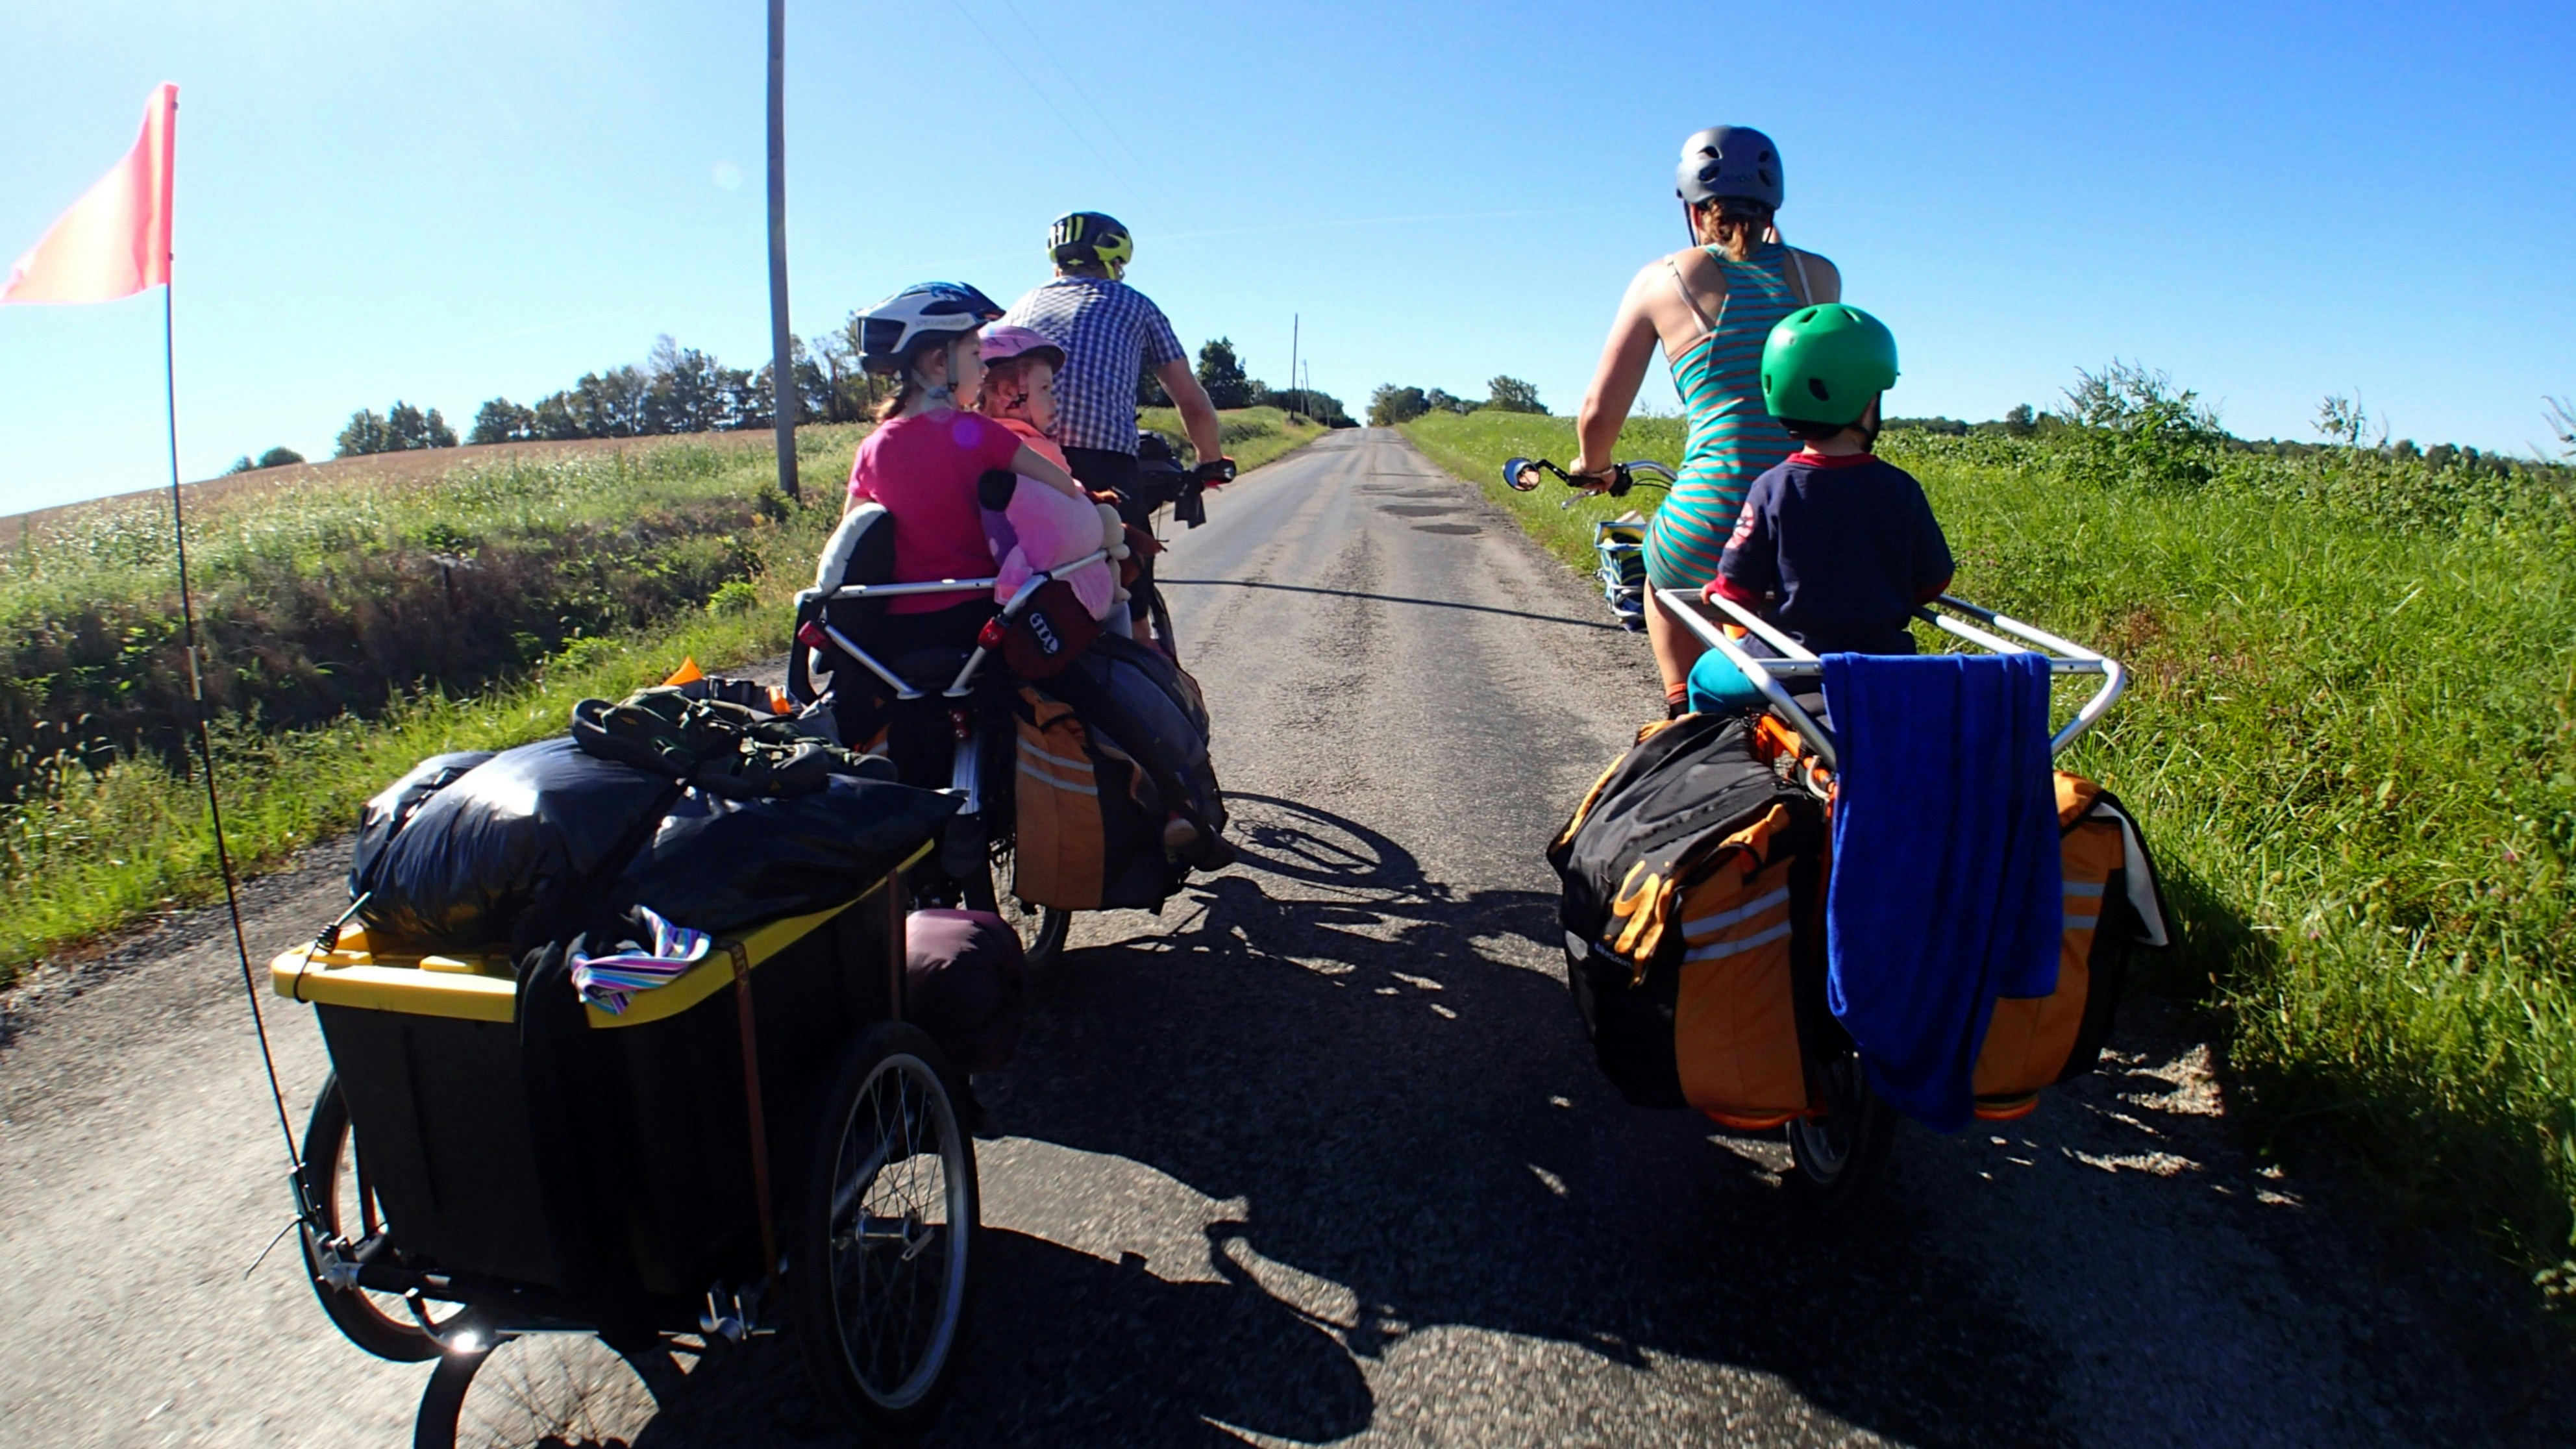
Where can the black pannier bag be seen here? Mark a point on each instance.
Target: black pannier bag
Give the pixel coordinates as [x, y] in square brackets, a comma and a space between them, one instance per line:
[1691, 876]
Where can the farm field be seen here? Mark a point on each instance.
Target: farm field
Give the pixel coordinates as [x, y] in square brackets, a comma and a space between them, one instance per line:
[2351, 739]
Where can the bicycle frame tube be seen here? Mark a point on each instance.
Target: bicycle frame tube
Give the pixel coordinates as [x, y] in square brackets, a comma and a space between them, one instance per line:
[2064, 657]
[965, 680]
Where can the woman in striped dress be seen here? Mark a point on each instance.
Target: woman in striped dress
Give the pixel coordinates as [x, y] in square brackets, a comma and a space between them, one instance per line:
[1710, 306]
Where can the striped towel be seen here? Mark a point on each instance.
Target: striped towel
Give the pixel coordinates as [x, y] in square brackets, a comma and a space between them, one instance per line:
[607, 982]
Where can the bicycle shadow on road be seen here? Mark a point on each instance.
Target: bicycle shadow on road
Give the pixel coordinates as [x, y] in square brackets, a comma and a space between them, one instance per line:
[1379, 1074]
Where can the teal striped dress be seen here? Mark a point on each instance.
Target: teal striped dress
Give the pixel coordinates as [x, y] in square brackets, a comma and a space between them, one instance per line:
[1733, 439]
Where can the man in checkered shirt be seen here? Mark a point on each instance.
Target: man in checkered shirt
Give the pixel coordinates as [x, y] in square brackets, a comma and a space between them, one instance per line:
[1110, 333]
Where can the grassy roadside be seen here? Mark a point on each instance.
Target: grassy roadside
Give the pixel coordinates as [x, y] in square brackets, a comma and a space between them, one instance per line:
[88, 851]
[1253, 436]
[2353, 744]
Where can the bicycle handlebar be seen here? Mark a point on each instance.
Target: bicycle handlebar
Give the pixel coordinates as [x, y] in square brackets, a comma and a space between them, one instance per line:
[1521, 476]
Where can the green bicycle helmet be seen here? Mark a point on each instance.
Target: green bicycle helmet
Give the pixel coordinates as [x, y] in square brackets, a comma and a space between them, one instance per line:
[1823, 364]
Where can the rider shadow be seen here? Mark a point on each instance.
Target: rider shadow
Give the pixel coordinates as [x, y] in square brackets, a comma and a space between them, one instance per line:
[1378, 1073]
[1067, 1348]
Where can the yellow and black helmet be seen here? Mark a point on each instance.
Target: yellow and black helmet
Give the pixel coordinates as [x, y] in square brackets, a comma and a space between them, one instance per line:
[1091, 238]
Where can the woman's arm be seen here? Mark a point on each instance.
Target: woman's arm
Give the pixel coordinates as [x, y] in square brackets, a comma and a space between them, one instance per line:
[1028, 462]
[1614, 381]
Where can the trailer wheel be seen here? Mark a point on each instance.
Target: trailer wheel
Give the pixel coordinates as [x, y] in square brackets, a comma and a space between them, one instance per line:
[336, 1176]
[880, 1257]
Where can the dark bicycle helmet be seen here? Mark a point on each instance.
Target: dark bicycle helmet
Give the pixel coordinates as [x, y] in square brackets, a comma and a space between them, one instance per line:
[1091, 238]
[1730, 162]
[890, 330]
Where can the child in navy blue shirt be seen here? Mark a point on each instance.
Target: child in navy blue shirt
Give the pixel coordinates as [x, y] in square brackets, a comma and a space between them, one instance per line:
[1835, 547]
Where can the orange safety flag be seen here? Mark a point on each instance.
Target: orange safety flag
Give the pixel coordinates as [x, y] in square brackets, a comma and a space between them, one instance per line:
[115, 241]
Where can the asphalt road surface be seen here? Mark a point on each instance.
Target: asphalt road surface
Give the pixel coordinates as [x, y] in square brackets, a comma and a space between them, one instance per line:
[1320, 1155]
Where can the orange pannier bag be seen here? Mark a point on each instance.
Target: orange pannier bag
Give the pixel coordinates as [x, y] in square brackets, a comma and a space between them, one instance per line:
[1692, 878]
[2112, 903]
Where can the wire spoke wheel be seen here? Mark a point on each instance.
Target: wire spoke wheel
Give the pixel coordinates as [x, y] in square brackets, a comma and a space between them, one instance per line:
[555, 1390]
[380, 1323]
[882, 1260]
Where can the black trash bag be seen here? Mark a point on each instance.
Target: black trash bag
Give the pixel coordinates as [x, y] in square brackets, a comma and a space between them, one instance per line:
[964, 983]
[719, 865]
[384, 816]
[511, 851]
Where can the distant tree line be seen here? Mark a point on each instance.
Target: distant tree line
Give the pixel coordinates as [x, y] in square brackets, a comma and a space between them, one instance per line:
[1221, 372]
[1391, 404]
[679, 389]
[399, 429]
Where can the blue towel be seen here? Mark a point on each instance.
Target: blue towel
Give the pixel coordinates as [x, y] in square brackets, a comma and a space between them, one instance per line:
[1946, 891]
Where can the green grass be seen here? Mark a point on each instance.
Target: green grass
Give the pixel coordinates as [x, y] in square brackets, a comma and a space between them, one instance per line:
[1252, 436]
[2352, 743]
[692, 531]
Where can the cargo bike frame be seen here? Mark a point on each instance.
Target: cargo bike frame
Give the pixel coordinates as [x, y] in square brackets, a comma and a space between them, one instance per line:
[1840, 1152]
[978, 853]
[763, 1143]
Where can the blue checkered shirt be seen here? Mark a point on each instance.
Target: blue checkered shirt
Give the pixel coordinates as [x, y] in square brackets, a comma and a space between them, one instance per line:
[1110, 333]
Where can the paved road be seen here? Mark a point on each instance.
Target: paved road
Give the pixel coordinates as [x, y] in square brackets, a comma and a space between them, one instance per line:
[1319, 1155]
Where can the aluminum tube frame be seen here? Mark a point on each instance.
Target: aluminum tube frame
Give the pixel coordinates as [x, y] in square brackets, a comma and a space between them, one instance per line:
[2064, 657]
[965, 680]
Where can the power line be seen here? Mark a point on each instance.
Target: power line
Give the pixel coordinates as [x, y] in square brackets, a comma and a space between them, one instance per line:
[1040, 92]
[1106, 124]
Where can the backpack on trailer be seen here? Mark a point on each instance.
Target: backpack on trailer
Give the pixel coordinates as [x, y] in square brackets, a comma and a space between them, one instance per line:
[1695, 874]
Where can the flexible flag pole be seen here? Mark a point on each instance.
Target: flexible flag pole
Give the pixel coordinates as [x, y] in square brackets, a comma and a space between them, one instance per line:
[205, 740]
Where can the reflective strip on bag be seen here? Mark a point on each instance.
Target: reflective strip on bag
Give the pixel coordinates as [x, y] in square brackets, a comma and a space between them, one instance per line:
[1693, 929]
[1721, 949]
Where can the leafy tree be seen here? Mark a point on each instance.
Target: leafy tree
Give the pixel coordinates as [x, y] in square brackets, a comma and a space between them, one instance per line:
[687, 393]
[2021, 422]
[502, 421]
[279, 457]
[364, 434]
[1511, 395]
[1221, 373]
[1440, 400]
[1390, 405]
[242, 464]
[408, 428]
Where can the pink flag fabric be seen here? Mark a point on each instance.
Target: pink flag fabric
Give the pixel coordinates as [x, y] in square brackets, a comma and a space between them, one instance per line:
[115, 241]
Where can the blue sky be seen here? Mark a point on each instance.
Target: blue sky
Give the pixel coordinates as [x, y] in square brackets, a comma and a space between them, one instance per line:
[447, 202]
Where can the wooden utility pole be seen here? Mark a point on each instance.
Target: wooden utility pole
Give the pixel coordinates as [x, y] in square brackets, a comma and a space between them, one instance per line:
[782, 365]
[1293, 320]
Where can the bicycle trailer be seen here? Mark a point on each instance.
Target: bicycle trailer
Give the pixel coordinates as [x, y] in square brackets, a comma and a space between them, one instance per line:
[764, 1141]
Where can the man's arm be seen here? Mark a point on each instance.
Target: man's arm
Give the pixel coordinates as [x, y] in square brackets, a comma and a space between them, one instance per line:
[1198, 415]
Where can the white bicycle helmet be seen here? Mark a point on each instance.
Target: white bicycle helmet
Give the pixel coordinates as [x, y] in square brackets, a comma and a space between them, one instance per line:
[890, 330]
